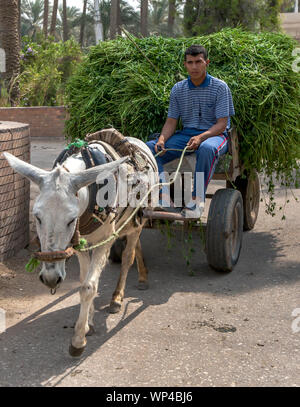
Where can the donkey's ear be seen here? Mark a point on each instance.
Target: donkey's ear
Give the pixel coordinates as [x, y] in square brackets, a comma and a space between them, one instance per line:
[99, 173]
[29, 171]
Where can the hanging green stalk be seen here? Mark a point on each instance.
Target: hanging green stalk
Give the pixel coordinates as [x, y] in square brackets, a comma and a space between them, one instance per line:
[32, 265]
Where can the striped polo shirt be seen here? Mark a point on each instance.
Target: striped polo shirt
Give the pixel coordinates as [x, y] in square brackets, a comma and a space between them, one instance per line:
[199, 107]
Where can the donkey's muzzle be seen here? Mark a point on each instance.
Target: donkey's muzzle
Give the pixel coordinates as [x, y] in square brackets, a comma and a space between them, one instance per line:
[52, 282]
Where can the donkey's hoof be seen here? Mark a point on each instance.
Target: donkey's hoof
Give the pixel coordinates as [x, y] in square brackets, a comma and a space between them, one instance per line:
[75, 352]
[143, 285]
[91, 330]
[114, 307]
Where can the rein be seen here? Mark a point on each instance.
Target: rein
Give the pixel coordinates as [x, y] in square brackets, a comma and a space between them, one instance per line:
[116, 234]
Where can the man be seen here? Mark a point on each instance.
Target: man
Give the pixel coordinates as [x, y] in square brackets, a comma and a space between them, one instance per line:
[204, 104]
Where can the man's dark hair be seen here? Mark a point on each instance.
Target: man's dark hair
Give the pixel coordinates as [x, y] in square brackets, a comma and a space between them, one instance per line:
[195, 50]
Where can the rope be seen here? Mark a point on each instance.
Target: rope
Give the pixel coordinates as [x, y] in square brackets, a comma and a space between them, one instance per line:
[58, 256]
[77, 143]
[173, 149]
[116, 234]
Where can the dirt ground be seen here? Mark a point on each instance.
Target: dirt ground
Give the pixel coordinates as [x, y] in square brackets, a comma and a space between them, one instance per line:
[16, 285]
[193, 327]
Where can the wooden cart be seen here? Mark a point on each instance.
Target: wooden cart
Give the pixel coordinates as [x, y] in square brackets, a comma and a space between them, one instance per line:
[232, 209]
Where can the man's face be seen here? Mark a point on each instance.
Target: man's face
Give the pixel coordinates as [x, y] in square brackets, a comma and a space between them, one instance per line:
[196, 66]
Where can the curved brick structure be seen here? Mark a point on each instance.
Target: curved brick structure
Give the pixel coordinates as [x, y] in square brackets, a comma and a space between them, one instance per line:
[14, 190]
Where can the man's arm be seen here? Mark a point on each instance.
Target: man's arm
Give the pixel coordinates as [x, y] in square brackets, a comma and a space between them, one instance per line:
[215, 130]
[167, 131]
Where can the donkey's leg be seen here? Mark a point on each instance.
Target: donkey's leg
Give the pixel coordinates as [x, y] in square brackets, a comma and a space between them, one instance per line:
[128, 256]
[84, 263]
[142, 269]
[88, 292]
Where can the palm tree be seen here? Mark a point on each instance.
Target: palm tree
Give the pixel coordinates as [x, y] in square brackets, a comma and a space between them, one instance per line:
[144, 18]
[19, 18]
[98, 24]
[54, 16]
[31, 17]
[129, 17]
[119, 20]
[45, 20]
[165, 17]
[82, 25]
[158, 17]
[171, 16]
[73, 16]
[65, 21]
[114, 11]
[9, 41]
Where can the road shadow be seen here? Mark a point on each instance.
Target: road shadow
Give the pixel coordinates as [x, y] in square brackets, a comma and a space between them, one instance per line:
[35, 350]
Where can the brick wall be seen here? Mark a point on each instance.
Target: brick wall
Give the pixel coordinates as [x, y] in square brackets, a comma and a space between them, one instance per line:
[44, 121]
[14, 190]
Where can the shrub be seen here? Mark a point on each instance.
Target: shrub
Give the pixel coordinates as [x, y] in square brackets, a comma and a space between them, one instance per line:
[45, 69]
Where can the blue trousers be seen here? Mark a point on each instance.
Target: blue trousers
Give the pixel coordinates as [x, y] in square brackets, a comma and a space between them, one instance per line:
[207, 153]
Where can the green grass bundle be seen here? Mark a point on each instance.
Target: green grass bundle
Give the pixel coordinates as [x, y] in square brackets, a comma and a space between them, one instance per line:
[126, 84]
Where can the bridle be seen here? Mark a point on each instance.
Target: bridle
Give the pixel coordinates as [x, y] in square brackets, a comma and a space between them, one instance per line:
[59, 255]
[51, 257]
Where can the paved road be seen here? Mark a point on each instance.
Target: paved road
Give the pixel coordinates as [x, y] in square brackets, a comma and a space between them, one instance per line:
[193, 327]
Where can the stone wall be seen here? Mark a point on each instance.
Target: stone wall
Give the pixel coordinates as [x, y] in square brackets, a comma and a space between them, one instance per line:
[290, 23]
[14, 190]
[44, 121]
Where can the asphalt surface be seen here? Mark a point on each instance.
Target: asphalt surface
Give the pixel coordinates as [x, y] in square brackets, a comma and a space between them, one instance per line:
[193, 327]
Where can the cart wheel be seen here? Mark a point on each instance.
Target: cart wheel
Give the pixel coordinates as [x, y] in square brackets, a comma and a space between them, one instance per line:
[117, 249]
[250, 190]
[224, 229]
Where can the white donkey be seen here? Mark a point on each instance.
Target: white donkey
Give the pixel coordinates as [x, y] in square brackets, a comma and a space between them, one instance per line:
[63, 199]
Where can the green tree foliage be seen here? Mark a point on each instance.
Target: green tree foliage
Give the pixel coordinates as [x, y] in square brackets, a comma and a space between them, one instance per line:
[46, 66]
[269, 15]
[32, 13]
[158, 18]
[129, 18]
[208, 16]
[73, 18]
[287, 6]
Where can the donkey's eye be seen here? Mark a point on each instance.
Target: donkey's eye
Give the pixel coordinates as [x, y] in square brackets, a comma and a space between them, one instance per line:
[70, 223]
[38, 219]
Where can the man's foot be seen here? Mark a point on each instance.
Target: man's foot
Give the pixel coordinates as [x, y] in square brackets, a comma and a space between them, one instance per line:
[192, 211]
[166, 207]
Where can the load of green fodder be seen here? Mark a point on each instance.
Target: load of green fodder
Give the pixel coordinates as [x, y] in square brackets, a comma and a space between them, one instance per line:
[126, 84]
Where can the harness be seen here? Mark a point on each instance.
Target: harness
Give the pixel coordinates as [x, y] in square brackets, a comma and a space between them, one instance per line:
[115, 145]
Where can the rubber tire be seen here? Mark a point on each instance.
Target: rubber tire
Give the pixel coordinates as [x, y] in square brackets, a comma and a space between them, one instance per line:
[225, 217]
[250, 190]
[117, 249]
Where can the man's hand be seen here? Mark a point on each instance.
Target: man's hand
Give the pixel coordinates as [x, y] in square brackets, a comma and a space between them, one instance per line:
[194, 142]
[160, 145]
[167, 131]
